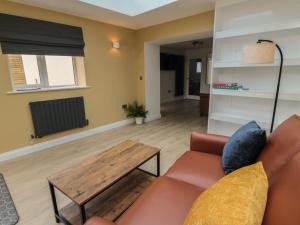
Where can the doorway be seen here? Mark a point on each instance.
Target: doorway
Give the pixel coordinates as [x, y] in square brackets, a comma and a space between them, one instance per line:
[194, 79]
[163, 83]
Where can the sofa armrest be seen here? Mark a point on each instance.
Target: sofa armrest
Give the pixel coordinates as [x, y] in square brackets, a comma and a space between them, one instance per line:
[206, 143]
[98, 221]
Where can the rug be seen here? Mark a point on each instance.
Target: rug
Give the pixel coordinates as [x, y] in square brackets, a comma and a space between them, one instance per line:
[8, 212]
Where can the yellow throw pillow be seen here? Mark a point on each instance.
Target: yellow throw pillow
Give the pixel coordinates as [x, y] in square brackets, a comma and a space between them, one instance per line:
[237, 199]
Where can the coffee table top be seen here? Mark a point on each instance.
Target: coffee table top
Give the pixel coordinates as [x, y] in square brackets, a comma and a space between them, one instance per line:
[84, 181]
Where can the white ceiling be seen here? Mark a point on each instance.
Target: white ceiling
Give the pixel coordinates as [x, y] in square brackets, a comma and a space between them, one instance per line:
[172, 11]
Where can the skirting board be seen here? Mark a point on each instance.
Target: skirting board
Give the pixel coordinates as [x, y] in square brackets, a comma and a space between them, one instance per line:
[52, 143]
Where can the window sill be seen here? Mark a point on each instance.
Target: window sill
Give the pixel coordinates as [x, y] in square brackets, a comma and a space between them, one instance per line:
[47, 89]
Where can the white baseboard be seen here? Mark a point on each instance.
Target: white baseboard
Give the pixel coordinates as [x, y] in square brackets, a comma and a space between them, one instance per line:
[48, 144]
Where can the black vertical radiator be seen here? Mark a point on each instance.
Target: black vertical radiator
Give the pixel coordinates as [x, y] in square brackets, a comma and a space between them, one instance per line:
[53, 116]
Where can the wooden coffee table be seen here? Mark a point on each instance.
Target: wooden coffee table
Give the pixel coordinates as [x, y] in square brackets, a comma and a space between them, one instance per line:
[85, 181]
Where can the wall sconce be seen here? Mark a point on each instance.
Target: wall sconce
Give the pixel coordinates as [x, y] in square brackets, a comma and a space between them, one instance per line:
[116, 44]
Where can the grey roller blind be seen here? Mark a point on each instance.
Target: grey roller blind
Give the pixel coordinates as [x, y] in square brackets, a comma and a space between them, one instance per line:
[20, 35]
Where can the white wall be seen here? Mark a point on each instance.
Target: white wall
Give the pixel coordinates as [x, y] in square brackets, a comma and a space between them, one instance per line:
[203, 54]
[167, 87]
[152, 80]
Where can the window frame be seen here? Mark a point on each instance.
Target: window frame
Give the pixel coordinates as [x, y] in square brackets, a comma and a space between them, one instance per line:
[43, 74]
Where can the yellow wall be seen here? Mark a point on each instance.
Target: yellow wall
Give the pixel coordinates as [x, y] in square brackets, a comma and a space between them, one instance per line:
[201, 23]
[112, 74]
[109, 73]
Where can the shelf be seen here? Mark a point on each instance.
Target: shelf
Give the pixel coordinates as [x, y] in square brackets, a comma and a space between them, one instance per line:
[241, 93]
[265, 28]
[238, 119]
[239, 64]
[289, 96]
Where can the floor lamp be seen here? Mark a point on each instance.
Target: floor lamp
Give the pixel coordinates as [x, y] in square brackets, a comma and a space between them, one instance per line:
[263, 52]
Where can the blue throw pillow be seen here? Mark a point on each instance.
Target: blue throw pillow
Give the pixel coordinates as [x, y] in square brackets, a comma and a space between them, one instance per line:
[243, 147]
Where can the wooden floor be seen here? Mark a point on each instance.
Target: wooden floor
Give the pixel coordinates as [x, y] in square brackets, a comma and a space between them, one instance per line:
[26, 176]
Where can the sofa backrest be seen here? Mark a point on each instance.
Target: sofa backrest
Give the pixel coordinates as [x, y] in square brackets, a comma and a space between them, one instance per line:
[281, 160]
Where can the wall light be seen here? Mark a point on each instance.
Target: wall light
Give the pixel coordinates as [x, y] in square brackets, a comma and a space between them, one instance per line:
[116, 44]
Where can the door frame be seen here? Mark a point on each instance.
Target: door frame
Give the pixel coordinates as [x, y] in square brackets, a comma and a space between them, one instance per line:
[152, 70]
[187, 86]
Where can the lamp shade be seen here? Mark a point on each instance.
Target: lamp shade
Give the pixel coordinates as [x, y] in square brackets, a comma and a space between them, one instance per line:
[260, 53]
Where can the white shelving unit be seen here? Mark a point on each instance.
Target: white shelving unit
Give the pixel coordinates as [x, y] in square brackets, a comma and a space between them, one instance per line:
[239, 23]
[287, 96]
[238, 119]
[260, 29]
[233, 64]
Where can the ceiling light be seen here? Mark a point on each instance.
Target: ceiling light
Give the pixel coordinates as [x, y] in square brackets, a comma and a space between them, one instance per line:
[129, 7]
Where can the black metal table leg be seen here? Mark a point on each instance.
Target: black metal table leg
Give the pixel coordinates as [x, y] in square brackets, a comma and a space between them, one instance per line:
[158, 164]
[53, 197]
[82, 214]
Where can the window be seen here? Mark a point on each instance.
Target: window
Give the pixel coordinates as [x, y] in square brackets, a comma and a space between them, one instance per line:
[38, 72]
[199, 67]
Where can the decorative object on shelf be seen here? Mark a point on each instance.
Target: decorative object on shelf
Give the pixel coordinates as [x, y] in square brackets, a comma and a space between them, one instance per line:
[227, 86]
[264, 53]
[136, 111]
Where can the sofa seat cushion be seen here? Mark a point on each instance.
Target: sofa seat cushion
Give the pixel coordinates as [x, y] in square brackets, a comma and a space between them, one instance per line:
[197, 168]
[166, 202]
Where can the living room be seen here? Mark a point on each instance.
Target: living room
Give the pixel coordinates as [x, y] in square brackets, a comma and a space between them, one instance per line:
[83, 139]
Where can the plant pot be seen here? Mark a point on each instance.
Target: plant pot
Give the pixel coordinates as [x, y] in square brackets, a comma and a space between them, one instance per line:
[139, 120]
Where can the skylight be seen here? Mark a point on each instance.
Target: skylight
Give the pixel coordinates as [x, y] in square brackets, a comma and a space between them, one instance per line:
[129, 7]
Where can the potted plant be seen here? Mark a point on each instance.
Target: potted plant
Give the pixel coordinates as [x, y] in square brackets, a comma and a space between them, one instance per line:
[136, 111]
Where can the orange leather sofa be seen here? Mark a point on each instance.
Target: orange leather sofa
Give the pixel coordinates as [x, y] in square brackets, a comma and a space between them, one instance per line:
[169, 199]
